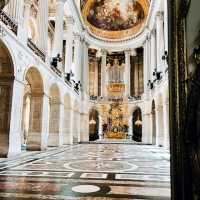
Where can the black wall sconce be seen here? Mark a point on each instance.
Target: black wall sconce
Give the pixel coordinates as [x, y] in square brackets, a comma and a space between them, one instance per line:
[69, 76]
[158, 75]
[56, 60]
[196, 54]
[165, 57]
[150, 84]
[77, 85]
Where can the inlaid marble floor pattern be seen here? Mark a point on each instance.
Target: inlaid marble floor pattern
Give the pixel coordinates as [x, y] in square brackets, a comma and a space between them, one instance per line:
[88, 172]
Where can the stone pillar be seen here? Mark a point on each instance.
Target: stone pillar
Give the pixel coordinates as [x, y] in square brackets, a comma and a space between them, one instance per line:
[84, 127]
[136, 80]
[34, 139]
[159, 126]
[153, 53]
[54, 129]
[27, 10]
[78, 57]
[14, 136]
[166, 24]
[100, 128]
[103, 73]
[15, 10]
[43, 24]
[130, 129]
[146, 70]
[67, 126]
[58, 36]
[61, 136]
[160, 40]
[85, 70]
[127, 73]
[69, 22]
[76, 126]
[96, 79]
[166, 122]
[146, 127]
[45, 121]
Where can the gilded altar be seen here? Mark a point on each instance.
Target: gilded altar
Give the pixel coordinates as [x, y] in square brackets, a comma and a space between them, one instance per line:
[117, 128]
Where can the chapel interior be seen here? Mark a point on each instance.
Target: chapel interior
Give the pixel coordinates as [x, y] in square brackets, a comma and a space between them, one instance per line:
[99, 99]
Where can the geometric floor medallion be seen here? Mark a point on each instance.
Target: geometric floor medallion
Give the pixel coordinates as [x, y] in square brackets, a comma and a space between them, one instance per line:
[101, 166]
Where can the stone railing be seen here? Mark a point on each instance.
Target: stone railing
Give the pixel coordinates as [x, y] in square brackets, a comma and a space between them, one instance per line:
[135, 98]
[36, 50]
[8, 22]
[56, 70]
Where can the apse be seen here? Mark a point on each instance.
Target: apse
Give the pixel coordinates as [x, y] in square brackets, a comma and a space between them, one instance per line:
[115, 19]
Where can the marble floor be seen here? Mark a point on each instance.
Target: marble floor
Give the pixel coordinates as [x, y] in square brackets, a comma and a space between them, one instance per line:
[88, 172]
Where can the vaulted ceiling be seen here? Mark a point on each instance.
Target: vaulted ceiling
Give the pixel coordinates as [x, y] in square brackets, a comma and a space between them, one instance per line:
[115, 19]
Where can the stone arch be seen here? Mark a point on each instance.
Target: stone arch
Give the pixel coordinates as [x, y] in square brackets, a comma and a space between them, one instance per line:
[54, 119]
[6, 94]
[76, 122]
[68, 120]
[93, 124]
[137, 124]
[32, 110]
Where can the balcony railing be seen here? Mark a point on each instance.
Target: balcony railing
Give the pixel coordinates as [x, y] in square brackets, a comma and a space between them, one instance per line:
[135, 98]
[36, 50]
[56, 70]
[8, 22]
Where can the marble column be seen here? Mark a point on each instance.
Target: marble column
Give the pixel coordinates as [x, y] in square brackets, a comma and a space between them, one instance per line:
[84, 127]
[166, 24]
[153, 53]
[43, 15]
[15, 125]
[78, 56]
[127, 77]
[59, 23]
[45, 121]
[160, 40]
[100, 128]
[159, 126]
[146, 70]
[34, 139]
[68, 30]
[85, 70]
[146, 127]
[15, 10]
[61, 117]
[27, 10]
[166, 123]
[103, 73]
[130, 129]
[54, 129]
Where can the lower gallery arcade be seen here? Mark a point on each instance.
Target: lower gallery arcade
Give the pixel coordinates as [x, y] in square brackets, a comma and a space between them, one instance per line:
[46, 117]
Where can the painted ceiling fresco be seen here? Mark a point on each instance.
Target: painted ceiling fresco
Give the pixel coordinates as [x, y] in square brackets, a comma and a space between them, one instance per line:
[115, 18]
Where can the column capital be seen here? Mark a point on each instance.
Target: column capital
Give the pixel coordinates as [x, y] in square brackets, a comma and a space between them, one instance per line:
[60, 1]
[77, 36]
[69, 20]
[128, 51]
[103, 52]
[153, 32]
[160, 15]
[28, 2]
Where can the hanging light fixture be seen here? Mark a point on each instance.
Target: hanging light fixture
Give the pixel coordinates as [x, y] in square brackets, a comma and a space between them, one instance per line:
[138, 122]
[92, 121]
